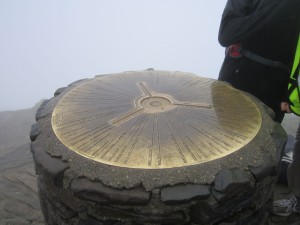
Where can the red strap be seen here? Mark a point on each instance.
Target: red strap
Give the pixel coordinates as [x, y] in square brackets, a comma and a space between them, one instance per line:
[234, 50]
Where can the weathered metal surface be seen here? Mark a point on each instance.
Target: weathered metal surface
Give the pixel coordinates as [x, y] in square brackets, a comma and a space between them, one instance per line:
[155, 119]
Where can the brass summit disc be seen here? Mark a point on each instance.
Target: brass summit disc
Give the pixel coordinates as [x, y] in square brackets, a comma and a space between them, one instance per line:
[155, 119]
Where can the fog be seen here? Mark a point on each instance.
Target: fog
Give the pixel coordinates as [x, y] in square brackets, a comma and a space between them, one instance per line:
[48, 44]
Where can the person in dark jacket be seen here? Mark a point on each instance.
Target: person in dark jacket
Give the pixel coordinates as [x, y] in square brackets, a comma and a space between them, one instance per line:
[261, 38]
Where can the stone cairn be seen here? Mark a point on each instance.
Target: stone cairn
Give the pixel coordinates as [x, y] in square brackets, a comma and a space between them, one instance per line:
[76, 189]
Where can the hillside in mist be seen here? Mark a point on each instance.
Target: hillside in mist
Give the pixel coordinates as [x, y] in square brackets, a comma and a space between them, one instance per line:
[19, 202]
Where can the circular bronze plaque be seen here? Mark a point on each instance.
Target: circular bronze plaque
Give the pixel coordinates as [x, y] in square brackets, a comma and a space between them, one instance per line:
[155, 119]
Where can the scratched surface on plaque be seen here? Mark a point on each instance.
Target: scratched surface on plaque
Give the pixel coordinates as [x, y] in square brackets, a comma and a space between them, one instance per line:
[155, 119]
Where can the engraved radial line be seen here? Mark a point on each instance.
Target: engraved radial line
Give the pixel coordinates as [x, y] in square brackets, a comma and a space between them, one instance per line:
[120, 144]
[182, 139]
[126, 116]
[182, 87]
[81, 137]
[207, 140]
[96, 139]
[129, 132]
[114, 144]
[219, 143]
[203, 141]
[117, 150]
[110, 91]
[132, 134]
[94, 98]
[67, 125]
[158, 142]
[135, 141]
[71, 134]
[233, 133]
[175, 141]
[190, 104]
[144, 89]
[182, 131]
[229, 134]
[198, 148]
[231, 124]
[217, 140]
[152, 146]
[173, 90]
[83, 112]
[95, 91]
[89, 150]
[102, 147]
[177, 87]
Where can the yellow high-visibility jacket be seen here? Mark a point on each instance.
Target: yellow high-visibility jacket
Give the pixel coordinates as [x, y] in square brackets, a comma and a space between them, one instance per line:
[294, 83]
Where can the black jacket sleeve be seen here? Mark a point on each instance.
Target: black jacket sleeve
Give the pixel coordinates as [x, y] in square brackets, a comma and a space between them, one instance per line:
[242, 19]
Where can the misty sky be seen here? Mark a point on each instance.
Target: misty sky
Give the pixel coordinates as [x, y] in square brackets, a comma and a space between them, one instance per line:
[48, 44]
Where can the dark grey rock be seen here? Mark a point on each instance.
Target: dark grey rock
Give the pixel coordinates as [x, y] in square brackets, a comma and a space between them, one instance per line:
[129, 215]
[268, 168]
[64, 211]
[95, 191]
[77, 82]
[91, 221]
[59, 91]
[205, 212]
[232, 181]
[264, 192]
[34, 132]
[44, 163]
[39, 113]
[184, 193]
[67, 198]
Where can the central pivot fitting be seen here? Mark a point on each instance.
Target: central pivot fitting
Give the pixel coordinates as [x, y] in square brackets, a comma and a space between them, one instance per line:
[155, 104]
